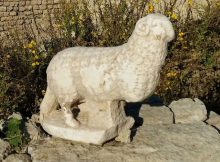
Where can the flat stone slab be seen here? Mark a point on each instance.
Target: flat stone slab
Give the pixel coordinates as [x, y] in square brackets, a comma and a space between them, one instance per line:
[55, 125]
[152, 143]
[145, 114]
[156, 114]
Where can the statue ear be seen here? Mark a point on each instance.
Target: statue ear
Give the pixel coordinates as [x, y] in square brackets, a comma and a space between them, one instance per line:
[142, 28]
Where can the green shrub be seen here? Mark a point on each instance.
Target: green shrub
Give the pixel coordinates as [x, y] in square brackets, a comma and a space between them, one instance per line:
[15, 133]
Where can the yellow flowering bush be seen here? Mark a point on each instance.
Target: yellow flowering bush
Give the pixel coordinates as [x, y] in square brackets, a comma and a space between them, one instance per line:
[192, 66]
[191, 69]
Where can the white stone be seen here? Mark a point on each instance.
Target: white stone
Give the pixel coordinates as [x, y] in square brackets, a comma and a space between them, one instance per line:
[153, 143]
[18, 158]
[33, 131]
[35, 118]
[16, 115]
[2, 122]
[99, 78]
[214, 120]
[188, 111]
[4, 149]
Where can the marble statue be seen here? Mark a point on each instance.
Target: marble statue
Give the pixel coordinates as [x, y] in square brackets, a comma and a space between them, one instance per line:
[92, 84]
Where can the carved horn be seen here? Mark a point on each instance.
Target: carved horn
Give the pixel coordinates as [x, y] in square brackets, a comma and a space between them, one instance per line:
[142, 27]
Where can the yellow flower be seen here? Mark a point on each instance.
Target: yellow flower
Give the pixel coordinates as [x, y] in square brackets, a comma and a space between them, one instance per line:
[171, 74]
[33, 51]
[181, 34]
[173, 16]
[150, 8]
[36, 57]
[180, 39]
[72, 20]
[33, 43]
[169, 13]
[189, 2]
[30, 46]
[33, 64]
[58, 25]
[156, 1]
[37, 63]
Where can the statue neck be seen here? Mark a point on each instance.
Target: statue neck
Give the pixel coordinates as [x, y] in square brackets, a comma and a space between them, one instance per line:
[142, 48]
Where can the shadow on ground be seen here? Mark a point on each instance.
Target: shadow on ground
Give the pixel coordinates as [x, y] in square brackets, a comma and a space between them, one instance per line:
[133, 110]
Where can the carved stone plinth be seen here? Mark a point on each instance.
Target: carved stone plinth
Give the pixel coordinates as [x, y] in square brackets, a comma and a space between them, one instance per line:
[99, 122]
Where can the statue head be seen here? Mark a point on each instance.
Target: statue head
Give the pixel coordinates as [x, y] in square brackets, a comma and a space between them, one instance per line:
[155, 26]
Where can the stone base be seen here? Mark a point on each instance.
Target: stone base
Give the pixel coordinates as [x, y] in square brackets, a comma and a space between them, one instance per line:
[55, 125]
[99, 122]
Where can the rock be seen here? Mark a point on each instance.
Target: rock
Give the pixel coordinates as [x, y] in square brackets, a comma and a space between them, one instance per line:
[214, 120]
[16, 115]
[35, 118]
[18, 158]
[4, 148]
[33, 131]
[188, 111]
[147, 114]
[152, 143]
[2, 122]
[181, 142]
[156, 114]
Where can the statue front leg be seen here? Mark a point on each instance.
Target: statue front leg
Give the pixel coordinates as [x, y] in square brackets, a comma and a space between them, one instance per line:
[69, 118]
[123, 121]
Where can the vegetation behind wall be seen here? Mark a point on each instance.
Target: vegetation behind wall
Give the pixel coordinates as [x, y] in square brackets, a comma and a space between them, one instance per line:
[192, 66]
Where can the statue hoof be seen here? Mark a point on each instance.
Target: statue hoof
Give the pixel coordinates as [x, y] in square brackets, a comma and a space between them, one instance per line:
[72, 123]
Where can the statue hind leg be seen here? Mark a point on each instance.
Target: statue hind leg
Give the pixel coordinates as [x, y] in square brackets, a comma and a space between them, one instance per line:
[48, 104]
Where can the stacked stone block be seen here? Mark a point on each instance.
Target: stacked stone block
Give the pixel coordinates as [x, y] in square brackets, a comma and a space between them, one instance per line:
[16, 15]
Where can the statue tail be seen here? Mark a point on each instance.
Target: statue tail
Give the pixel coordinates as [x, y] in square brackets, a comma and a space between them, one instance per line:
[48, 104]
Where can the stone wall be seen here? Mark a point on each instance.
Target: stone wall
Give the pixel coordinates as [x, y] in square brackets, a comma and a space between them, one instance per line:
[17, 15]
[21, 15]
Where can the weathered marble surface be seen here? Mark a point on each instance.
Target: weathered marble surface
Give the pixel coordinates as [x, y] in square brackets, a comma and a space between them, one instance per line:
[103, 77]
